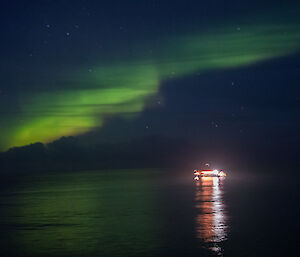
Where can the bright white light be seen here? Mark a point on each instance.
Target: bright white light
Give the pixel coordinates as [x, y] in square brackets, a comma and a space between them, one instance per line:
[215, 172]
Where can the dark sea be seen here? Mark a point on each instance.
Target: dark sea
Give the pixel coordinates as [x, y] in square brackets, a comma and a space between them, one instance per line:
[148, 213]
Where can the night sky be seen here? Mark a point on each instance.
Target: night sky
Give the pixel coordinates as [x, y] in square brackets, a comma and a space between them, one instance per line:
[221, 74]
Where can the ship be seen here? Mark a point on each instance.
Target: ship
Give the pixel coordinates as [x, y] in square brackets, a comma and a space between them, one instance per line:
[208, 173]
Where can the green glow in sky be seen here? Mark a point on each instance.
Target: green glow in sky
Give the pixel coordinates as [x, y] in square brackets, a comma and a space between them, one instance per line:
[122, 87]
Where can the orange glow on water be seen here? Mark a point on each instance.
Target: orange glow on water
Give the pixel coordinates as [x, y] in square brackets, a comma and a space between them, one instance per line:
[211, 227]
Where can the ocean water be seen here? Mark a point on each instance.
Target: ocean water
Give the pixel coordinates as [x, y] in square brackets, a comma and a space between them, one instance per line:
[148, 213]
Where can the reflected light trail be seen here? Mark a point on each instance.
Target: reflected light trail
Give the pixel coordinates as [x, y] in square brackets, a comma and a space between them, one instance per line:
[211, 217]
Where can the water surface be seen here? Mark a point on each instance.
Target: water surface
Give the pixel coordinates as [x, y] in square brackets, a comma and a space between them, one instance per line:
[146, 213]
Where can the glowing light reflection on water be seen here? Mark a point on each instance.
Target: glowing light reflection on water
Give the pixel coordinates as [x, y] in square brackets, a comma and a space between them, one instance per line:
[211, 218]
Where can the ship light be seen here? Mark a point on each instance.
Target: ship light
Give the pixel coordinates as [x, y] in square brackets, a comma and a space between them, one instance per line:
[215, 172]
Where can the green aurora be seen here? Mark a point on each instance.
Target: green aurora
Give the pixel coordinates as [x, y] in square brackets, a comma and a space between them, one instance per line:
[123, 87]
